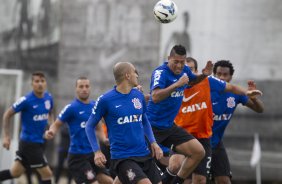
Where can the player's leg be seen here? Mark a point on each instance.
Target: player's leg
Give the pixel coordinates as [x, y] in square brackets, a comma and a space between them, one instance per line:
[81, 169]
[220, 167]
[16, 171]
[34, 154]
[129, 172]
[104, 178]
[190, 147]
[175, 162]
[152, 171]
[45, 174]
[202, 171]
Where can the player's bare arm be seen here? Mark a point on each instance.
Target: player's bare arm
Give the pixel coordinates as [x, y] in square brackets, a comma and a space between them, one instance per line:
[254, 102]
[6, 127]
[52, 131]
[161, 94]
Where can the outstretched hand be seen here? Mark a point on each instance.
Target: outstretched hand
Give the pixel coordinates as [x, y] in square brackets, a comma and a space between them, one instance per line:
[253, 92]
[208, 68]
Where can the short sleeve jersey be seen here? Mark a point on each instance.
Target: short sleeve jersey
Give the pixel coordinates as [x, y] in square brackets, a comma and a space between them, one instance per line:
[123, 115]
[224, 105]
[34, 116]
[195, 114]
[162, 114]
[76, 115]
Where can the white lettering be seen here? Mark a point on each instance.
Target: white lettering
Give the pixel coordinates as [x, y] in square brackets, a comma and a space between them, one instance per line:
[222, 117]
[177, 94]
[40, 117]
[19, 101]
[129, 119]
[83, 124]
[194, 107]
[157, 77]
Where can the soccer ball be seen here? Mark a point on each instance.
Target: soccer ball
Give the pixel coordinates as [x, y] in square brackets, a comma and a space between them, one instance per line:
[165, 11]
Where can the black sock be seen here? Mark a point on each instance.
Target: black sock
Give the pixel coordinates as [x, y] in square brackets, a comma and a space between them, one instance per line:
[167, 176]
[5, 175]
[46, 181]
[177, 180]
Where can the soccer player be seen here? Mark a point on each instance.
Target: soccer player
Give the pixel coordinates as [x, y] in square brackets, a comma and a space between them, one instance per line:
[123, 109]
[196, 117]
[167, 87]
[36, 111]
[75, 115]
[224, 105]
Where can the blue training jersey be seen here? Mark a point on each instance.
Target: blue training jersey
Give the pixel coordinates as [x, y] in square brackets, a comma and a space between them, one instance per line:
[34, 116]
[224, 105]
[76, 115]
[162, 114]
[124, 116]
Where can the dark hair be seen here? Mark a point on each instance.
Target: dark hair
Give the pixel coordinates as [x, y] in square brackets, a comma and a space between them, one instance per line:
[178, 49]
[224, 63]
[190, 59]
[37, 73]
[80, 78]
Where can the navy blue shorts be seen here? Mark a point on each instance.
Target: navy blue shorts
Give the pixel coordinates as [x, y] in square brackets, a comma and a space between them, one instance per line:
[220, 163]
[83, 168]
[31, 155]
[172, 137]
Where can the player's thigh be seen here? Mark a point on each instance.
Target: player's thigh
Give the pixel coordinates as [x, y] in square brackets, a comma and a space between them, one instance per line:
[191, 147]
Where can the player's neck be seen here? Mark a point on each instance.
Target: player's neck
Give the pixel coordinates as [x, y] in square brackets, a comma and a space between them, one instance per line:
[124, 88]
[38, 95]
[85, 101]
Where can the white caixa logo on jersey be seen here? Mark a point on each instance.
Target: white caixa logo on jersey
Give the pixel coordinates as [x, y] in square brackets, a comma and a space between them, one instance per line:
[231, 102]
[137, 104]
[47, 104]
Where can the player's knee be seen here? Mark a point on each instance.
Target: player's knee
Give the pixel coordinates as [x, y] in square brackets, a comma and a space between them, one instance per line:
[16, 174]
[174, 167]
[199, 179]
[222, 180]
[103, 178]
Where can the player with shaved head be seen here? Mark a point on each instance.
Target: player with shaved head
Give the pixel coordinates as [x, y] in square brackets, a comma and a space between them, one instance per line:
[123, 109]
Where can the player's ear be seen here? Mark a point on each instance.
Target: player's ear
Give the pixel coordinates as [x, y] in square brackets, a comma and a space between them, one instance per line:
[127, 75]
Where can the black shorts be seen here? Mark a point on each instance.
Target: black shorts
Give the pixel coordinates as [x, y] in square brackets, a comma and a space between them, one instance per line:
[220, 163]
[172, 137]
[132, 170]
[83, 168]
[31, 154]
[204, 166]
